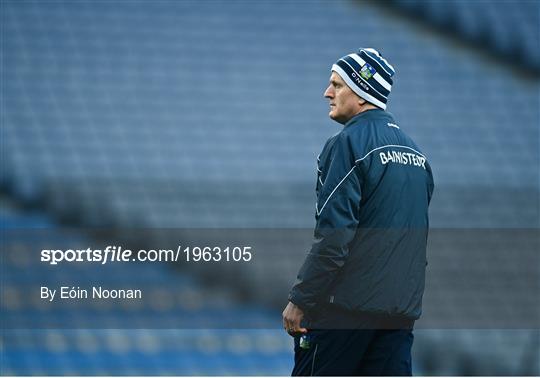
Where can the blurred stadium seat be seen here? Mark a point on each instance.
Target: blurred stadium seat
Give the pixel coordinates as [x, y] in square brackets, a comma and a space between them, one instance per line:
[106, 348]
[508, 28]
[210, 114]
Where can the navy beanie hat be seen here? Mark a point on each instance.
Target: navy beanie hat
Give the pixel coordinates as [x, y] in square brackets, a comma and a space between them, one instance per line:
[368, 74]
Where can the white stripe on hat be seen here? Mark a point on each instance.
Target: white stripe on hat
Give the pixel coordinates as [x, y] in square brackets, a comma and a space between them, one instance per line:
[373, 51]
[386, 85]
[357, 89]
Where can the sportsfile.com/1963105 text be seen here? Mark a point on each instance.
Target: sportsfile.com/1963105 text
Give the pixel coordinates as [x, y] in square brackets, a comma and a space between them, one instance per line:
[195, 254]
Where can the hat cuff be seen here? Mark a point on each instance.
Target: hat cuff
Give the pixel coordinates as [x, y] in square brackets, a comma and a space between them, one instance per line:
[356, 89]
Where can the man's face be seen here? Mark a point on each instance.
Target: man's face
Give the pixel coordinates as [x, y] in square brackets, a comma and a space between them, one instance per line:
[344, 103]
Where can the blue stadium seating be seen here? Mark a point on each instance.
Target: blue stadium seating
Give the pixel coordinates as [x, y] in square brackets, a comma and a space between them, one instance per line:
[508, 28]
[101, 341]
[115, 114]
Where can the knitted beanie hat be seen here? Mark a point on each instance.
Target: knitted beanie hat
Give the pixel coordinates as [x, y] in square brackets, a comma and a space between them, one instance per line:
[368, 74]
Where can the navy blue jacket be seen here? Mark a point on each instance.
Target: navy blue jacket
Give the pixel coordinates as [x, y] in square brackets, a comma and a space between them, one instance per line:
[374, 186]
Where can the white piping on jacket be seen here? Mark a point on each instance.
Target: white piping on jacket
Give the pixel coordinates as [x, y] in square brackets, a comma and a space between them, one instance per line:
[357, 161]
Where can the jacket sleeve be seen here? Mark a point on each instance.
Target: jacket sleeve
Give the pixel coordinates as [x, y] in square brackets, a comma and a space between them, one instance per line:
[337, 215]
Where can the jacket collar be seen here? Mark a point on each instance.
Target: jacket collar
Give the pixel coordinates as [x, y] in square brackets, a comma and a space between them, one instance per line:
[368, 114]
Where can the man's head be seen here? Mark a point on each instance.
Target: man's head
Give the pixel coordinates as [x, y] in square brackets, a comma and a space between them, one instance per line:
[344, 103]
[359, 81]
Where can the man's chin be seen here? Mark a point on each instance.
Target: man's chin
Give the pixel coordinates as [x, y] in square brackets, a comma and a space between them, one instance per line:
[336, 118]
[333, 116]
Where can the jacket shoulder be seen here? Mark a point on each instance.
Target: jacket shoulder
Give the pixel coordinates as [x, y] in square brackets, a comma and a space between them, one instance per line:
[357, 138]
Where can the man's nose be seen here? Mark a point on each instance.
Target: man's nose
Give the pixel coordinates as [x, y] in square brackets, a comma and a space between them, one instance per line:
[329, 93]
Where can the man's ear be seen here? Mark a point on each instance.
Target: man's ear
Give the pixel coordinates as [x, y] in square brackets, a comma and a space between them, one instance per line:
[361, 101]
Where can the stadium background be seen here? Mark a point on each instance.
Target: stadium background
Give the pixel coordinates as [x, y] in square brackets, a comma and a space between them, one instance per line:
[209, 114]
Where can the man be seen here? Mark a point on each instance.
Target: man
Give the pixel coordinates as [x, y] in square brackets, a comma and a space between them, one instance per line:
[359, 291]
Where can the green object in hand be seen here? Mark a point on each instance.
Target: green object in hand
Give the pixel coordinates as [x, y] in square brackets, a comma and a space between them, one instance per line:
[305, 342]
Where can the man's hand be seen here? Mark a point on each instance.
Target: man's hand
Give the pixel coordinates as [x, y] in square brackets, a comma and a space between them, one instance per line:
[292, 315]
